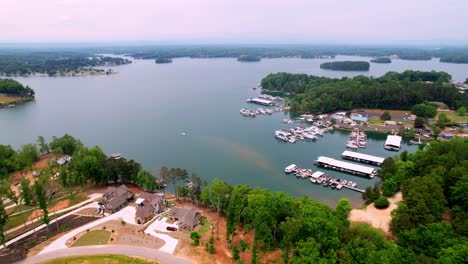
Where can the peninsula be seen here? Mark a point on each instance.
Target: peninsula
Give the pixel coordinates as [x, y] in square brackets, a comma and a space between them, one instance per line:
[248, 58]
[162, 60]
[13, 92]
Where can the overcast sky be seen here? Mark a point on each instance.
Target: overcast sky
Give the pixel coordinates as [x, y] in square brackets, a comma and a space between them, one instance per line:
[239, 21]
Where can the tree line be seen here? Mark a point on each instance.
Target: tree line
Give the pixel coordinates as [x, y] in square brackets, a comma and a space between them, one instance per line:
[392, 91]
[53, 63]
[12, 87]
[455, 58]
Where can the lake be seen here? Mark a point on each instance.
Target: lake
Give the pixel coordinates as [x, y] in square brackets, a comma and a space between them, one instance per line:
[142, 111]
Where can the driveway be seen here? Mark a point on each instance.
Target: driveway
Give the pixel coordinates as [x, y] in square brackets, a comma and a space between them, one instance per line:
[160, 225]
[127, 214]
[148, 253]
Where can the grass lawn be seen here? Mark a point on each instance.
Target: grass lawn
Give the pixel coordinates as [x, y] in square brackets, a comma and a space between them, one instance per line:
[205, 226]
[101, 259]
[454, 117]
[16, 220]
[95, 237]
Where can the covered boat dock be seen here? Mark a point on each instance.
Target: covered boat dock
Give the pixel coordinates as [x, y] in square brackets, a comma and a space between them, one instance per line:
[261, 101]
[393, 143]
[363, 158]
[345, 167]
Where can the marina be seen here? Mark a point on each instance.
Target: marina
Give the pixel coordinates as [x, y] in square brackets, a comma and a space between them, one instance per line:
[363, 158]
[345, 167]
[321, 178]
[301, 133]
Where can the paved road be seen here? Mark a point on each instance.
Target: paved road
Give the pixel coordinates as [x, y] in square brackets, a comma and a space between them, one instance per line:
[92, 198]
[100, 250]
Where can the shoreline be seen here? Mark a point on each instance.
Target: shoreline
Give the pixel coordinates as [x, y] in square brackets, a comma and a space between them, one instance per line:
[13, 103]
[41, 74]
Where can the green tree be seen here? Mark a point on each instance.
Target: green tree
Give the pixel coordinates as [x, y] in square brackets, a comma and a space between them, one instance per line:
[41, 200]
[424, 110]
[26, 156]
[216, 195]
[196, 238]
[65, 144]
[443, 120]
[26, 193]
[385, 116]
[381, 203]
[461, 111]
[343, 208]
[3, 222]
[43, 147]
[419, 122]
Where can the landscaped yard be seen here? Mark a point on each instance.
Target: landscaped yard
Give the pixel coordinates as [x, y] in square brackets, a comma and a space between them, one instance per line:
[101, 259]
[95, 237]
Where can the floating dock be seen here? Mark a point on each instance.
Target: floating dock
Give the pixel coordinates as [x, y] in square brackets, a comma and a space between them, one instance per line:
[345, 167]
[363, 158]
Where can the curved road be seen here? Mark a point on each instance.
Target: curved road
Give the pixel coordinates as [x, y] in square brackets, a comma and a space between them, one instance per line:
[148, 253]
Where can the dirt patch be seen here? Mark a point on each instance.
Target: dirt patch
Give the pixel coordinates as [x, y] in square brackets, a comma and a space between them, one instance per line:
[127, 234]
[223, 254]
[59, 206]
[378, 218]
[34, 243]
[16, 176]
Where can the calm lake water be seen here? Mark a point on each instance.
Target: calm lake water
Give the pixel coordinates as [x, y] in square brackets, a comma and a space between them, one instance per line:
[142, 110]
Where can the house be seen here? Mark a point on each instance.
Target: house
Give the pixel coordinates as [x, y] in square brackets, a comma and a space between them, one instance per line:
[144, 213]
[187, 217]
[117, 197]
[390, 123]
[149, 204]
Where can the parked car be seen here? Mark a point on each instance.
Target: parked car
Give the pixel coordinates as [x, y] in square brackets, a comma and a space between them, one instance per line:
[171, 228]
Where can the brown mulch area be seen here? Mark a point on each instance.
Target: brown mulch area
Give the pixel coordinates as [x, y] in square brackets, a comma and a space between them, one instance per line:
[19, 250]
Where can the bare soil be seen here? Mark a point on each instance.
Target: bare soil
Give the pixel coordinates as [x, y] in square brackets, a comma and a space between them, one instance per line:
[223, 253]
[18, 175]
[59, 206]
[378, 218]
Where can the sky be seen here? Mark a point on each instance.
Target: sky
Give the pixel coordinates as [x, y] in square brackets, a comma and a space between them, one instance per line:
[235, 21]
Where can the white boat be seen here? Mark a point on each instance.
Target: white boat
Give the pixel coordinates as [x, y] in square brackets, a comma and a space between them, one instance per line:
[183, 134]
[352, 145]
[292, 140]
[290, 168]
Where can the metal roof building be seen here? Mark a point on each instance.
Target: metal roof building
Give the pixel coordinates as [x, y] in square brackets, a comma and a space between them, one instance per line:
[356, 156]
[345, 166]
[261, 101]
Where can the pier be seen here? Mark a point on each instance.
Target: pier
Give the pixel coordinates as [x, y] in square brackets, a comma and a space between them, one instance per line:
[345, 167]
[363, 158]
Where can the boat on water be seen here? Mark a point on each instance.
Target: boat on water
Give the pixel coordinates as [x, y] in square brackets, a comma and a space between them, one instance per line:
[414, 142]
[290, 168]
[352, 145]
[183, 134]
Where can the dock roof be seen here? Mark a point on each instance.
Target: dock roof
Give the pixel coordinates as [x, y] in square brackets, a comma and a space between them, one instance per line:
[393, 140]
[317, 174]
[363, 156]
[345, 165]
[262, 101]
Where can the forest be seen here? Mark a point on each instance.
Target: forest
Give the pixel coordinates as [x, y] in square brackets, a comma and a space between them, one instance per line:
[346, 66]
[12, 87]
[401, 91]
[53, 62]
[248, 58]
[381, 60]
[456, 58]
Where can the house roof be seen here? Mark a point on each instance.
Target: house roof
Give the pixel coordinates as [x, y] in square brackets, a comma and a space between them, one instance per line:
[143, 211]
[117, 201]
[186, 215]
[152, 198]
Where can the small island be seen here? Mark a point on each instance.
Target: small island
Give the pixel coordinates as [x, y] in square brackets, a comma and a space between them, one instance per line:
[346, 66]
[415, 56]
[381, 60]
[13, 92]
[248, 58]
[162, 60]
